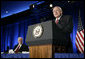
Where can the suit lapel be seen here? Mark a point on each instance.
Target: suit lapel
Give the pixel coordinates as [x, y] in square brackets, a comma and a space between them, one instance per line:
[61, 18]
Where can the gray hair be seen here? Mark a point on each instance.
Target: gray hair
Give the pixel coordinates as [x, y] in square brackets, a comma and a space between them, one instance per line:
[20, 37]
[59, 8]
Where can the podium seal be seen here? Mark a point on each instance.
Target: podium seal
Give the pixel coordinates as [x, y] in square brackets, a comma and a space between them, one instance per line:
[37, 31]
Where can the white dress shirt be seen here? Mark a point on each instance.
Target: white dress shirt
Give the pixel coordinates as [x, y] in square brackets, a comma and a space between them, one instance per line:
[19, 47]
[58, 18]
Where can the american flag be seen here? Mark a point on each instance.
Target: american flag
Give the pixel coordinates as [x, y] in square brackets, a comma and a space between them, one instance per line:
[80, 36]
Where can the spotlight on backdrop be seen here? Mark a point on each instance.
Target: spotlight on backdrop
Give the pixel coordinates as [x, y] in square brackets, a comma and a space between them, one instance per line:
[32, 6]
[51, 5]
[68, 1]
[6, 11]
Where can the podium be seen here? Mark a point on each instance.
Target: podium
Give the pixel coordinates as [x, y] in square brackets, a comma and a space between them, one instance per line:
[41, 39]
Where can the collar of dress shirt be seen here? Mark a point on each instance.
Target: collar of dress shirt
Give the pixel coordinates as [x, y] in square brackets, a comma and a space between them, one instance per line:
[59, 18]
[20, 45]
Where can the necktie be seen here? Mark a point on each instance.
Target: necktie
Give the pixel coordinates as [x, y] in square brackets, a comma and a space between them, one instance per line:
[16, 51]
[57, 21]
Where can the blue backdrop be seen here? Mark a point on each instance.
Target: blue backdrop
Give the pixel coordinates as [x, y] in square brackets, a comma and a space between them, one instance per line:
[11, 32]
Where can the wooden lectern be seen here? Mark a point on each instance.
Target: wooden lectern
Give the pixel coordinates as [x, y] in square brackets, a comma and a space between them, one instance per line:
[41, 39]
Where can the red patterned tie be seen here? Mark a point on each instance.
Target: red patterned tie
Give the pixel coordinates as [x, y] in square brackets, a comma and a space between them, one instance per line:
[57, 21]
[17, 49]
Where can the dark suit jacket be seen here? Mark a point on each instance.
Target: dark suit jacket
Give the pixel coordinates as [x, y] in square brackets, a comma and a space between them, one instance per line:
[22, 48]
[64, 28]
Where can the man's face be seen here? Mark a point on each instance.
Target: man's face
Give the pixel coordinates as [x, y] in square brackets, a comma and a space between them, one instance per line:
[20, 41]
[56, 12]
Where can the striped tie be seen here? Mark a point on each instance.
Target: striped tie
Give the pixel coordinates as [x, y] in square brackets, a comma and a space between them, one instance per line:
[57, 21]
[17, 49]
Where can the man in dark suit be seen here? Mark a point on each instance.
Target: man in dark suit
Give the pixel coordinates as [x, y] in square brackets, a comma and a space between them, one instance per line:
[64, 26]
[20, 46]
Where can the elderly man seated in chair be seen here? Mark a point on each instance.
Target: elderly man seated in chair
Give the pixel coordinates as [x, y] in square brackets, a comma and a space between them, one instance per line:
[20, 46]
